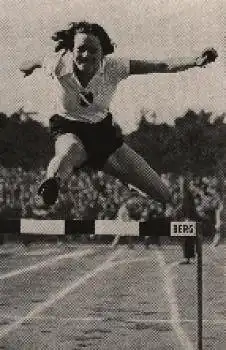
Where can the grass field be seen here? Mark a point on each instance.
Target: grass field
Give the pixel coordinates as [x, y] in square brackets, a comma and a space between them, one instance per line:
[93, 297]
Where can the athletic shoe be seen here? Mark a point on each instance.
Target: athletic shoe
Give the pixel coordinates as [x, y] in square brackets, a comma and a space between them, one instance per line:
[47, 193]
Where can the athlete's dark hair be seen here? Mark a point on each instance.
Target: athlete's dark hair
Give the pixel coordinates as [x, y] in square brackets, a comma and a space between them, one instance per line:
[65, 37]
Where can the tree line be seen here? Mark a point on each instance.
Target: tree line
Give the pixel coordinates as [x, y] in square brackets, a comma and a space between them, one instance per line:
[195, 143]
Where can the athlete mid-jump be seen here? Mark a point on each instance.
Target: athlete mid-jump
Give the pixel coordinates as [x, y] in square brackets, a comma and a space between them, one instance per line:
[86, 78]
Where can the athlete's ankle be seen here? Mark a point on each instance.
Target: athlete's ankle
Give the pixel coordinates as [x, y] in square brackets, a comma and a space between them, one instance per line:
[53, 177]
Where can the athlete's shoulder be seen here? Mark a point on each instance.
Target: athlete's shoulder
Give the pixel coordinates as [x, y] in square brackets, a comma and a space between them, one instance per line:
[117, 67]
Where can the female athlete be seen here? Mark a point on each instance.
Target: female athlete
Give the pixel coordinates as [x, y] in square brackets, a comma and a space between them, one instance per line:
[83, 127]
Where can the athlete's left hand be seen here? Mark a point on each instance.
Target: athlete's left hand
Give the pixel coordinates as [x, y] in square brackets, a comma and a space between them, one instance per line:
[208, 56]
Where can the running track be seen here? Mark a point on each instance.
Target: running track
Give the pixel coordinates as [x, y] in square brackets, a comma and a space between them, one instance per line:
[95, 298]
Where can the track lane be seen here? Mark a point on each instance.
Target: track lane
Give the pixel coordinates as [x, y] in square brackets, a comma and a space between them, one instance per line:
[122, 303]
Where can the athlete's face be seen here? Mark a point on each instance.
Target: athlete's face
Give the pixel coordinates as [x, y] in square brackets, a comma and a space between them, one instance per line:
[87, 52]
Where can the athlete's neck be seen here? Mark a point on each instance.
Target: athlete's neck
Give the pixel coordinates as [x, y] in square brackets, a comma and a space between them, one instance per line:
[84, 77]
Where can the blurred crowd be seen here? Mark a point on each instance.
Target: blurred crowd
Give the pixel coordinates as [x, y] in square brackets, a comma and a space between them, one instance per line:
[94, 195]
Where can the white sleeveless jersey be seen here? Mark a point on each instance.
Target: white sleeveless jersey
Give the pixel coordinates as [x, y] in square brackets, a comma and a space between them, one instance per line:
[72, 100]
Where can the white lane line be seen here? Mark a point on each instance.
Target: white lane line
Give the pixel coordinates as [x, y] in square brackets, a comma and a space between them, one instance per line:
[23, 251]
[61, 294]
[6, 251]
[40, 252]
[45, 263]
[135, 260]
[103, 319]
[171, 297]
[214, 322]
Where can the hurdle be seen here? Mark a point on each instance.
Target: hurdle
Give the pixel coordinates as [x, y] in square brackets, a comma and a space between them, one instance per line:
[161, 227]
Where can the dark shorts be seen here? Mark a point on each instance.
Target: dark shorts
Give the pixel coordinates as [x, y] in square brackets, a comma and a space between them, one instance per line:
[100, 140]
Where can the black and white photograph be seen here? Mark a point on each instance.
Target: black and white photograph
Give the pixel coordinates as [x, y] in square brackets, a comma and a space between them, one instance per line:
[112, 174]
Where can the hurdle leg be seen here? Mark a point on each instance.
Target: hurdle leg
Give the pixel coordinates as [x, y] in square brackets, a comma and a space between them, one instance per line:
[130, 242]
[199, 290]
[115, 241]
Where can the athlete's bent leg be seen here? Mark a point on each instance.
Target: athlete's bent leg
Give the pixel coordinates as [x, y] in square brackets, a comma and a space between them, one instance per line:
[130, 167]
[69, 154]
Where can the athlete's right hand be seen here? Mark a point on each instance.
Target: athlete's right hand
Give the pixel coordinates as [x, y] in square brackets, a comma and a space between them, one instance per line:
[27, 72]
[28, 68]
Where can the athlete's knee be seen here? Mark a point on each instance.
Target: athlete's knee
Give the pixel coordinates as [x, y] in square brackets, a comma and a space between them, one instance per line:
[64, 143]
[68, 148]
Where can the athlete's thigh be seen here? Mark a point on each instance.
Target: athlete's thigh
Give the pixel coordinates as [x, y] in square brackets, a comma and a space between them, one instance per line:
[130, 167]
[70, 146]
[125, 160]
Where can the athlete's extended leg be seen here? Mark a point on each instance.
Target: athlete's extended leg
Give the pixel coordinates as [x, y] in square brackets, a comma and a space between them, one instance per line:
[129, 167]
[69, 154]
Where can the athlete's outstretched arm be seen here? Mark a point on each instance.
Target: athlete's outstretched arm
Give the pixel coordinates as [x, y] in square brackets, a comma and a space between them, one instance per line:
[172, 65]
